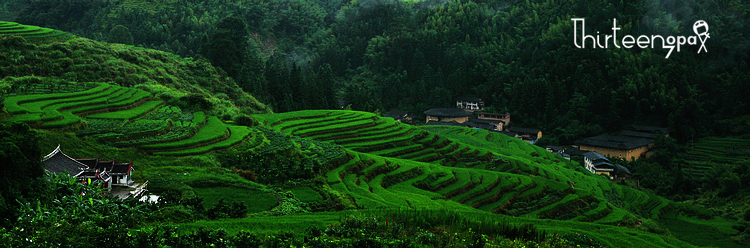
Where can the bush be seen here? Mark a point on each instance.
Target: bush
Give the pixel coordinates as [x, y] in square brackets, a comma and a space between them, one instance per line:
[194, 101]
[246, 120]
[224, 209]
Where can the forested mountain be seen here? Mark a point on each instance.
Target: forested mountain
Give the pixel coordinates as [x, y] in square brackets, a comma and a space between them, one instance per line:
[518, 56]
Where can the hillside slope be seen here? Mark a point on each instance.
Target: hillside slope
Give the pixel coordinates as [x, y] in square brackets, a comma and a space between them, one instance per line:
[57, 66]
[393, 165]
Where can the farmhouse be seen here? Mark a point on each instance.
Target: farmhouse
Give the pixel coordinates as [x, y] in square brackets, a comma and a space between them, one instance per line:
[499, 120]
[598, 164]
[628, 148]
[485, 124]
[469, 103]
[530, 135]
[447, 115]
[400, 116]
[107, 172]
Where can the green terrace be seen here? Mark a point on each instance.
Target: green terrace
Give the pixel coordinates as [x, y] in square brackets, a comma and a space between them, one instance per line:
[365, 132]
[375, 182]
[32, 33]
[393, 165]
[703, 154]
[128, 117]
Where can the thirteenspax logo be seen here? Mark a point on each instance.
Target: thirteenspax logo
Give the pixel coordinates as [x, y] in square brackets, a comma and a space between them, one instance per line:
[700, 28]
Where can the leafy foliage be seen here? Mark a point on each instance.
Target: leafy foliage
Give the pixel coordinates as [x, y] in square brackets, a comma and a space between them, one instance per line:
[21, 174]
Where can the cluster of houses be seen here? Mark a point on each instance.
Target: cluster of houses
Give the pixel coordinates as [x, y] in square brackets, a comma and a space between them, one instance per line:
[463, 116]
[630, 144]
[95, 171]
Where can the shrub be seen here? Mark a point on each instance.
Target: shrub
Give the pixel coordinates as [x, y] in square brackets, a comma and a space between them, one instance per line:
[224, 209]
[246, 174]
[193, 101]
[246, 120]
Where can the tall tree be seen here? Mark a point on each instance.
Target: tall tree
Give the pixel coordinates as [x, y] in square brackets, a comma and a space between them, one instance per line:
[21, 172]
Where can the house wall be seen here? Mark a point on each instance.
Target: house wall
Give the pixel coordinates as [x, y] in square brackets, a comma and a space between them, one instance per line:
[448, 119]
[589, 166]
[619, 153]
[457, 119]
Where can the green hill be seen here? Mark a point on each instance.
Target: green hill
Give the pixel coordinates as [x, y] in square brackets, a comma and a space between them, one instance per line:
[481, 170]
[173, 117]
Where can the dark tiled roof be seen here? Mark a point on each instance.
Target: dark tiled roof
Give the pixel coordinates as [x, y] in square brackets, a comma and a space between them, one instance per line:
[509, 134]
[595, 156]
[650, 129]
[395, 114]
[447, 112]
[468, 99]
[58, 162]
[122, 168]
[622, 169]
[485, 121]
[445, 123]
[524, 130]
[637, 134]
[88, 162]
[555, 148]
[616, 142]
[604, 166]
[576, 152]
[105, 165]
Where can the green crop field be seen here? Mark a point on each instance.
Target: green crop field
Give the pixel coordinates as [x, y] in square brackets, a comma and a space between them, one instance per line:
[255, 200]
[399, 166]
[701, 155]
[32, 33]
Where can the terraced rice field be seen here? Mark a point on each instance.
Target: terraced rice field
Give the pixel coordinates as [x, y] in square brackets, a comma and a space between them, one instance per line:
[701, 155]
[394, 165]
[365, 132]
[61, 110]
[32, 33]
[128, 117]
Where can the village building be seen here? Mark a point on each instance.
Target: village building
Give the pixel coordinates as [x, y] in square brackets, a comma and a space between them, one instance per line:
[470, 103]
[492, 125]
[598, 164]
[628, 148]
[400, 116]
[555, 149]
[530, 135]
[646, 132]
[447, 115]
[499, 120]
[108, 173]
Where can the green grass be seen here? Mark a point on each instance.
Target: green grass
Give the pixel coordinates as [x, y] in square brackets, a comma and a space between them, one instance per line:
[306, 194]
[697, 232]
[256, 201]
[213, 130]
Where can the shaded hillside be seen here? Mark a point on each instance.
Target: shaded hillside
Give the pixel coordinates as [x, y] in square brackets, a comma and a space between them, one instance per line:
[29, 68]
